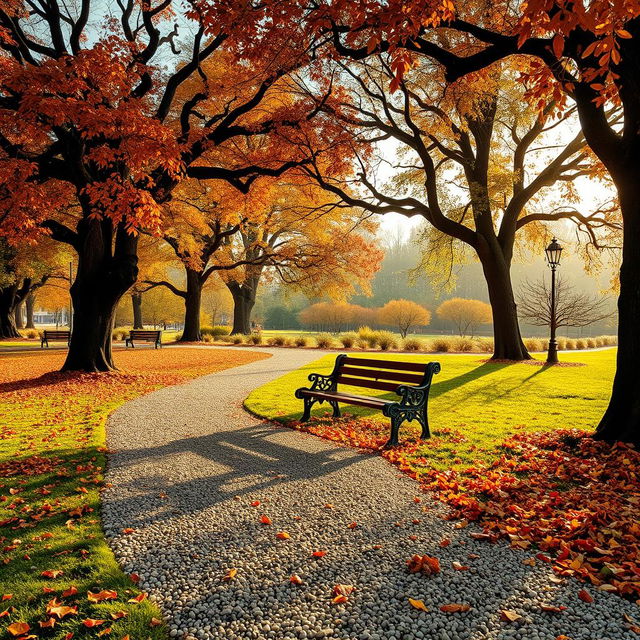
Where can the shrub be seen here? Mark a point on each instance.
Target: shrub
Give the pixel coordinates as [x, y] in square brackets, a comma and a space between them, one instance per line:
[533, 344]
[485, 345]
[207, 337]
[277, 341]
[301, 341]
[324, 341]
[31, 333]
[599, 341]
[441, 345]
[591, 343]
[361, 343]
[570, 344]
[386, 340]
[463, 344]
[348, 339]
[237, 338]
[581, 343]
[369, 336]
[216, 331]
[609, 341]
[562, 344]
[119, 334]
[255, 338]
[412, 344]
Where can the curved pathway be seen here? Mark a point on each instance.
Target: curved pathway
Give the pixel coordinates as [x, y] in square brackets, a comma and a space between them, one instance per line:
[187, 464]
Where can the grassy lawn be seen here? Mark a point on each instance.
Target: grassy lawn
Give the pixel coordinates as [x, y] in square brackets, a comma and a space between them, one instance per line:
[473, 406]
[52, 459]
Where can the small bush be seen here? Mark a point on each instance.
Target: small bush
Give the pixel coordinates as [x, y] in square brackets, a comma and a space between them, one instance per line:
[207, 337]
[237, 338]
[324, 341]
[348, 339]
[255, 338]
[570, 344]
[386, 340]
[591, 343]
[581, 343]
[562, 344]
[441, 345]
[369, 336]
[216, 331]
[31, 333]
[361, 343]
[412, 344]
[463, 344]
[119, 334]
[610, 341]
[301, 341]
[533, 344]
[276, 341]
[485, 345]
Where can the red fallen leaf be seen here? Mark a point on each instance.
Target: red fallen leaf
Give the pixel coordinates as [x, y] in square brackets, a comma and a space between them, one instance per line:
[47, 590]
[119, 614]
[47, 534]
[48, 624]
[415, 521]
[4, 613]
[445, 543]
[71, 591]
[454, 608]
[413, 538]
[585, 596]
[105, 594]
[543, 557]
[319, 554]
[552, 608]
[255, 503]
[139, 598]
[52, 573]
[104, 632]
[458, 566]
[134, 577]
[68, 636]
[265, 519]
[425, 564]
[417, 499]
[7, 596]
[91, 622]
[377, 546]
[18, 628]
[154, 622]
[508, 615]
[128, 530]
[352, 525]
[295, 579]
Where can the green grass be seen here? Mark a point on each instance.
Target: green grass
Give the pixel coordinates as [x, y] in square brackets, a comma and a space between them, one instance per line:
[474, 405]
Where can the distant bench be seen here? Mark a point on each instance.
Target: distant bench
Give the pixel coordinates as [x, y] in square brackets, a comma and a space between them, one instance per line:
[384, 375]
[54, 334]
[146, 335]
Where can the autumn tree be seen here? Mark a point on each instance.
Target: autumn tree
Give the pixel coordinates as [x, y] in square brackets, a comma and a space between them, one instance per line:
[328, 316]
[572, 308]
[404, 315]
[465, 314]
[94, 120]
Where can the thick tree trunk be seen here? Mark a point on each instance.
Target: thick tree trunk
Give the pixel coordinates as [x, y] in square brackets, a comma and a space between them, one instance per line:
[7, 316]
[103, 277]
[17, 312]
[136, 303]
[507, 340]
[244, 298]
[29, 306]
[192, 303]
[621, 420]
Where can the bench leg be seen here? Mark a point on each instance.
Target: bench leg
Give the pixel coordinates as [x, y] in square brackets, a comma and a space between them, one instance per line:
[335, 407]
[308, 403]
[425, 424]
[396, 421]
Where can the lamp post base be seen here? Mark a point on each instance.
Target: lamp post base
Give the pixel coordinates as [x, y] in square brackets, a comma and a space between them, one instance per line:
[552, 354]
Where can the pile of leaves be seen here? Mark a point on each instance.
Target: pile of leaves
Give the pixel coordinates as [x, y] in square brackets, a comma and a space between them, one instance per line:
[58, 577]
[571, 500]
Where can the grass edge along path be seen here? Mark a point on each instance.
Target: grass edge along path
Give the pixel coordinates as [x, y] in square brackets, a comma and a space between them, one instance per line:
[58, 577]
[543, 484]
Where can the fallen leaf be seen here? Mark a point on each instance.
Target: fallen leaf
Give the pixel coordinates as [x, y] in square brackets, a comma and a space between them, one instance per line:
[425, 564]
[343, 589]
[7, 596]
[328, 505]
[104, 631]
[508, 615]
[52, 573]
[18, 628]
[139, 598]
[458, 566]
[455, 608]
[295, 579]
[585, 596]
[283, 535]
[48, 624]
[352, 525]
[445, 543]
[340, 600]
[128, 530]
[231, 574]
[154, 622]
[265, 519]
[91, 622]
[55, 608]
[116, 615]
[255, 503]
[71, 591]
[552, 608]
[319, 554]
[418, 604]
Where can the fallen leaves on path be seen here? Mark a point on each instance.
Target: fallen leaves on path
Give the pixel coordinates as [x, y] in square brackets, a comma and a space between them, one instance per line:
[418, 604]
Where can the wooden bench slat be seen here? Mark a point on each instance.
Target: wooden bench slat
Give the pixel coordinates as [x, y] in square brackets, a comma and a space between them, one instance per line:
[379, 374]
[362, 401]
[367, 384]
[386, 364]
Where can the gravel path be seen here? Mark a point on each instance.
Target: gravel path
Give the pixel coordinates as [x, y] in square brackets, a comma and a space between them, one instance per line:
[187, 464]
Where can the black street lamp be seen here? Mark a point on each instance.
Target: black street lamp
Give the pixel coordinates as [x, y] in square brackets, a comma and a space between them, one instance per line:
[553, 252]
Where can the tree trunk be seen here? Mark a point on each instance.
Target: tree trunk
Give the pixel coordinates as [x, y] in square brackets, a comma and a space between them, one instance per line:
[244, 298]
[192, 304]
[7, 316]
[621, 420]
[136, 303]
[17, 312]
[507, 340]
[29, 306]
[103, 277]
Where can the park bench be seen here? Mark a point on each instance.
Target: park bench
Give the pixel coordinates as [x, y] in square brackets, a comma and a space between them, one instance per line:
[54, 334]
[146, 335]
[385, 375]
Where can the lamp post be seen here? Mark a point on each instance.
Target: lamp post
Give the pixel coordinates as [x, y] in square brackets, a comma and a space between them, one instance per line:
[553, 253]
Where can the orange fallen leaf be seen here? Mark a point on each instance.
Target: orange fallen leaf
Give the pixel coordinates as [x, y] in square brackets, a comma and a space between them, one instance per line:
[352, 525]
[319, 554]
[69, 636]
[295, 579]
[417, 499]
[7, 596]
[231, 574]
[47, 590]
[92, 622]
[418, 604]
[104, 631]
[425, 564]
[585, 596]
[105, 594]
[413, 538]
[445, 543]
[343, 589]
[508, 615]
[154, 622]
[116, 615]
[283, 535]
[128, 530]
[255, 503]
[265, 519]
[52, 573]
[458, 566]
[48, 624]
[71, 591]
[340, 600]
[454, 608]
[139, 598]
[550, 608]
[18, 628]
[328, 505]
[4, 613]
